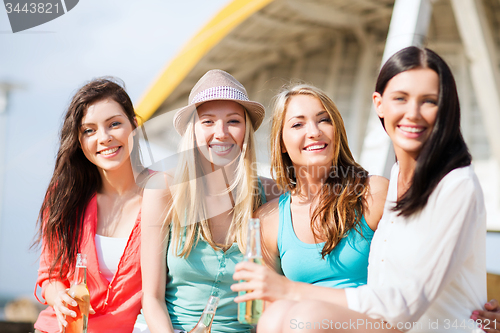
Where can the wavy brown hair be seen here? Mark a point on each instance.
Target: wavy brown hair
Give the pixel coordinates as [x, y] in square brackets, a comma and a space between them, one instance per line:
[340, 200]
[75, 179]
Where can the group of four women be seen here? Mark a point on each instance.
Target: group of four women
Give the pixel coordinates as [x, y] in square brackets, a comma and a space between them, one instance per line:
[167, 241]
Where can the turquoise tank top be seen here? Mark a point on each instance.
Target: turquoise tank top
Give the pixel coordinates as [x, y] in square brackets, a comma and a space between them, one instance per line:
[191, 281]
[205, 272]
[345, 267]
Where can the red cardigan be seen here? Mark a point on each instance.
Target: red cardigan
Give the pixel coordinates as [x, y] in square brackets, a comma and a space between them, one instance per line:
[116, 303]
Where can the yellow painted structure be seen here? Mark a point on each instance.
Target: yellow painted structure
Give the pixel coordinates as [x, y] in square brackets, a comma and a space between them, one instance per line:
[223, 23]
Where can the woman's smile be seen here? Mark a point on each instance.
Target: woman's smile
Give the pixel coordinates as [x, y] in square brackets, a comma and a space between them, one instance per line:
[316, 147]
[409, 106]
[308, 132]
[220, 131]
[109, 152]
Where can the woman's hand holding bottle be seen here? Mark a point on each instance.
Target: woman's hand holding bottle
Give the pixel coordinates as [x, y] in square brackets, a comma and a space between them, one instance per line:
[61, 302]
[264, 283]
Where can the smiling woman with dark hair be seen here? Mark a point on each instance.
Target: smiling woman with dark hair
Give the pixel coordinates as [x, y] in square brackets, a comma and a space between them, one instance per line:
[92, 207]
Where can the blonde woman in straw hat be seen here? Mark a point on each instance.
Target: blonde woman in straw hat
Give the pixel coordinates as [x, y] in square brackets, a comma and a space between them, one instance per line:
[194, 231]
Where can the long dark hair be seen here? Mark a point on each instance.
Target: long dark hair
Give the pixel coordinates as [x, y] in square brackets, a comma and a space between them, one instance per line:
[75, 179]
[445, 150]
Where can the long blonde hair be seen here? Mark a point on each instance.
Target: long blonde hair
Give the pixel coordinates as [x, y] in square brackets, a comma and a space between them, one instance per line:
[340, 204]
[188, 202]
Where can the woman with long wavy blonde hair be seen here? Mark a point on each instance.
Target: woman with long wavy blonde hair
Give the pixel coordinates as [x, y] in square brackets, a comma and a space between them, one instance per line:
[194, 230]
[319, 231]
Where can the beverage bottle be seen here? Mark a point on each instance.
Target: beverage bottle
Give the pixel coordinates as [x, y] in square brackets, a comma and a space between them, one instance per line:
[80, 293]
[207, 317]
[249, 312]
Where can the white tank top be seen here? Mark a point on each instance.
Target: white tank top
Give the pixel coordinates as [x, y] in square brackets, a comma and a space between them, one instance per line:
[109, 252]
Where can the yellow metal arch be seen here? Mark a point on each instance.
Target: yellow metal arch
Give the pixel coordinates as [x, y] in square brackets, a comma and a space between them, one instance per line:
[219, 27]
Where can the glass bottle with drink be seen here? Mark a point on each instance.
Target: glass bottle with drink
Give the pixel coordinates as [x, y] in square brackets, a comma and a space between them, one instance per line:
[207, 317]
[80, 293]
[249, 312]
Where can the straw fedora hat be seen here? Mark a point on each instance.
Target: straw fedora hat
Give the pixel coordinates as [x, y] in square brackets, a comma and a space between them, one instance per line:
[217, 85]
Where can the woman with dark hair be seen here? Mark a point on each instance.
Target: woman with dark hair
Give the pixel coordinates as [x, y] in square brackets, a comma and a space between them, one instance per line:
[427, 260]
[92, 207]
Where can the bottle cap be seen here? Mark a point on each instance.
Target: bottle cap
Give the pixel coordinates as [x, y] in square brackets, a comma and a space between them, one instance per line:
[81, 259]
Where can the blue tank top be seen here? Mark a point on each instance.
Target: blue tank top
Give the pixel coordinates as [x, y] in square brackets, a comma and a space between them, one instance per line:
[345, 267]
[192, 280]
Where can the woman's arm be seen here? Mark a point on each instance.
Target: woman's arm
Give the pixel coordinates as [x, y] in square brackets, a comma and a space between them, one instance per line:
[54, 290]
[155, 204]
[270, 286]
[424, 253]
[55, 294]
[264, 281]
[269, 225]
[265, 277]
[452, 222]
[375, 200]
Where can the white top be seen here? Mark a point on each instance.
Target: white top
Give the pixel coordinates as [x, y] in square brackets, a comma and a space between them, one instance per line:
[109, 252]
[429, 269]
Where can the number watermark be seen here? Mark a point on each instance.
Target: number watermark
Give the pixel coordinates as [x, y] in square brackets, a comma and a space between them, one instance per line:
[437, 325]
[27, 14]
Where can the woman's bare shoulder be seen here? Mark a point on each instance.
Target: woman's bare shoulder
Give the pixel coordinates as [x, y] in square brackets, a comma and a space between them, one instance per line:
[159, 180]
[271, 189]
[269, 210]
